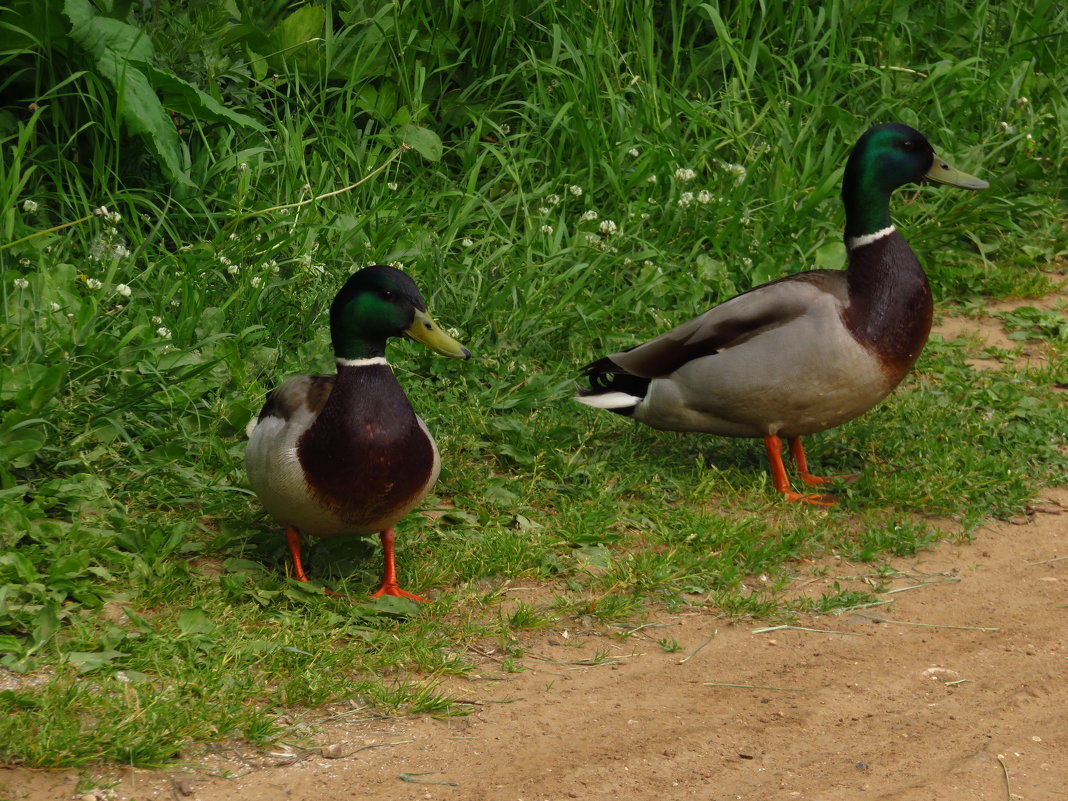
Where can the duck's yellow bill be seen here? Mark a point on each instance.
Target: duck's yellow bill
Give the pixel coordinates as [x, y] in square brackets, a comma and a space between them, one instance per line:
[426, 332]
[942, 173]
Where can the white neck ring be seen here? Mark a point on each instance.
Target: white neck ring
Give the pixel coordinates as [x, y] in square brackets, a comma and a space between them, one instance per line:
[854, 242]
[374, 360]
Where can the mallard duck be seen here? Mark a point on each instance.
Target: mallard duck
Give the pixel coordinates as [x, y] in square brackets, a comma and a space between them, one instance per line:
[345, 454]
[803, 353]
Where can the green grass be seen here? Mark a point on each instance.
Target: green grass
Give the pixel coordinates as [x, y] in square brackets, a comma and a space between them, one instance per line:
[144, 598]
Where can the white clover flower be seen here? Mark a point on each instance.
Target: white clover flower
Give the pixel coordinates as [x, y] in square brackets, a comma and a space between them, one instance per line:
[224, 260]
[608, 227]
[120, 251]
[399, 265]
[737, 170]
[93, 283]
[593, 240]
[392, 186]
[651, 179]
[232, 237]
[575, 190]
[552, 200]
[644, 215]
[685, 174]
[633, 152]
[156, 320]
[29, 206]
[543, 209]
[54, 306]
[114, 218]
[20, 283]
[283, 211]
[163, 332]
[256, 281]
[453, 332]
[1022, 101]
[242, 167]
[123, 290]
[467, 242]
[588, 215]
[320, 269]
[704, 196]
[685, 199]
[648, 263]
[101, 211]
[747, 262]
[546, 229]
[233, 269]
[176, 302]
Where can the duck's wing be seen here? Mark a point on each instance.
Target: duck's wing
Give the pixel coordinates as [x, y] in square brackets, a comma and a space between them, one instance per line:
[300, 397]
[731, 323]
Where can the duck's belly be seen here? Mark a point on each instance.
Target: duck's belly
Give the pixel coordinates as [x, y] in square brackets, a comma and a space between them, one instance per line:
[790, 381]
[277, 477]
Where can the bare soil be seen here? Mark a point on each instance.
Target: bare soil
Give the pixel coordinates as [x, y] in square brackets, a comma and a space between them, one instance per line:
[956, 689]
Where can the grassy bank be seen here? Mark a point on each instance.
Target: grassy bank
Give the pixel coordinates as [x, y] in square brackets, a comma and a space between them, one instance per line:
[562, 180]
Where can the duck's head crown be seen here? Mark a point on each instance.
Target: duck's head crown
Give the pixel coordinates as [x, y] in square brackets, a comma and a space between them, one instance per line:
[379, 302]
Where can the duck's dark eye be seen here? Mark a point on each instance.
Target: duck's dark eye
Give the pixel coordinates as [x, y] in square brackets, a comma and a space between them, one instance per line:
[388, 294]
[908, 145]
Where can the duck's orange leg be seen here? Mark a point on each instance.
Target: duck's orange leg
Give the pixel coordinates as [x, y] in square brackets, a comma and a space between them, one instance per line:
[778, 473]
[389, 584]
[293, 540]
[798, 452]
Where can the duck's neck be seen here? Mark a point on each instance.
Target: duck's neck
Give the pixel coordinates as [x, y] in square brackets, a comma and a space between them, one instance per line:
[867, 206]
[357, 349]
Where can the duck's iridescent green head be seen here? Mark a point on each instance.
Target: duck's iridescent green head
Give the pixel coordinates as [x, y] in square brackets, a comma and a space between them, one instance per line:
[886, 157]
[380, 302]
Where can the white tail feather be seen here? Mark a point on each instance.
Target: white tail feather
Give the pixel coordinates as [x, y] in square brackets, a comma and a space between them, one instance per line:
[609, 400]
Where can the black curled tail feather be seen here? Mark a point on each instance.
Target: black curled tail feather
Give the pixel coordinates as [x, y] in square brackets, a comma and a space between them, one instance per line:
[605, 376]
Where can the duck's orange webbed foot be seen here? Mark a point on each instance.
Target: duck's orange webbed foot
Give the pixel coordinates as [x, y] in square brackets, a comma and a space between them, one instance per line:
[798, 452]
[778, 474]
[389, 584]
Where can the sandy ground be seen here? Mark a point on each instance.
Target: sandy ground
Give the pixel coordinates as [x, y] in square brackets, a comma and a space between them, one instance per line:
[954, 689]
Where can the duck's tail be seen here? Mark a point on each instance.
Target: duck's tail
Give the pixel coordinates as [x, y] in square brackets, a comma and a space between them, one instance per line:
[612, 388]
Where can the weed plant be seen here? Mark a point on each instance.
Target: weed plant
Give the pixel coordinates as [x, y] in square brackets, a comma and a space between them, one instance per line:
[183, 189]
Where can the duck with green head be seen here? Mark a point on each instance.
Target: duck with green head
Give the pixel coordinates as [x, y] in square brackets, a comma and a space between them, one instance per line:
[346, 454]
[806, 352]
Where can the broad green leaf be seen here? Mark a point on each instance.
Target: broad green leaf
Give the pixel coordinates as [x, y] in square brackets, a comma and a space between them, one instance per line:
[118, 49]
[830, 255]
[297, 38]
[195, 621]
[86, 661]
[45, 624]
[423, 141]
[188, 101]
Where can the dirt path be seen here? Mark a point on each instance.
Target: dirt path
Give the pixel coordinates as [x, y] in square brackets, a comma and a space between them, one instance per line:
[955, 690]
[912, 710]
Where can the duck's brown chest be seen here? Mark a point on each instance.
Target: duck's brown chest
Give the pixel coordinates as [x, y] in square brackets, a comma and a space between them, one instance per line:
[367, 454]
[890, 306]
